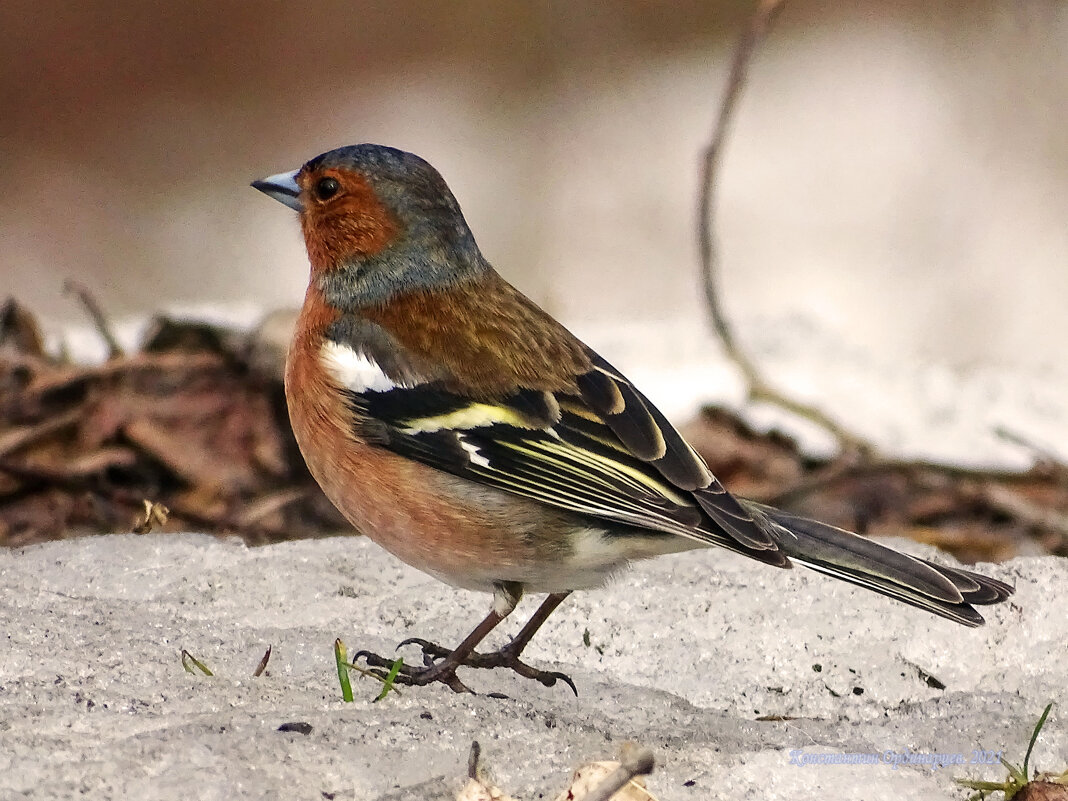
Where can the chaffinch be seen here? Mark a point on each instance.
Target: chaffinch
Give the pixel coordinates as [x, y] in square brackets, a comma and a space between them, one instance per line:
[466, 431]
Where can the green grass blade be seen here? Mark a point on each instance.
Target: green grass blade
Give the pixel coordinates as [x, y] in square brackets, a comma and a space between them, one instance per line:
[387, 685]
[341, 657]
[192, 664]
[1034, 736]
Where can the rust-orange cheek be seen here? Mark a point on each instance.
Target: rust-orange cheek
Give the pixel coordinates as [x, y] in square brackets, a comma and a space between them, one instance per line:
[356, 224]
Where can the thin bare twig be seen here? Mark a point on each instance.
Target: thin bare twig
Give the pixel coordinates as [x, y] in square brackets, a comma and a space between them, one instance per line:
[172, 364]
[633, 761]
[759, 389]
[18, 327]
[268, 504]
[97, 314]
[16, 438]
[1046, 457]
[78, 471]
[990, 487]
[860, 458]
[838, 472]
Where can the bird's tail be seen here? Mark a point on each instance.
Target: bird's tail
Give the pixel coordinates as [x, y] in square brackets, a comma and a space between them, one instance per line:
[945, 591]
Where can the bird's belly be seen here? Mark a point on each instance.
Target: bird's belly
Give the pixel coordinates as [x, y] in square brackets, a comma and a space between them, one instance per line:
[463, 534]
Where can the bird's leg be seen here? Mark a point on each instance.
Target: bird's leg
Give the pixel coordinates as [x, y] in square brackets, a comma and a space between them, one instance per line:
[508, 656]
[505, 597]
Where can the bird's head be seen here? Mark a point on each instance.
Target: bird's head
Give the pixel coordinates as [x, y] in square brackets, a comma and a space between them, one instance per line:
[377, 222]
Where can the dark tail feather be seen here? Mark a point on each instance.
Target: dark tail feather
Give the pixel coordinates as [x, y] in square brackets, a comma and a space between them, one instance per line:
[945, 591]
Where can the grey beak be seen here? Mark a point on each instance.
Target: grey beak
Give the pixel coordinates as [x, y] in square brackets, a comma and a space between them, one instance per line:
[283, 188]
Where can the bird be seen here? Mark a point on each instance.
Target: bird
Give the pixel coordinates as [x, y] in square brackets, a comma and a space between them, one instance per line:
[465, 430]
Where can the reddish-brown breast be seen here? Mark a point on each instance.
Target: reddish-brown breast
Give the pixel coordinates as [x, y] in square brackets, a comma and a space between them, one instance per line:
[426, 518]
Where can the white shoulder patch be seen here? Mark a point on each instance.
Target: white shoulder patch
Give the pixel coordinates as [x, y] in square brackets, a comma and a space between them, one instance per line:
[354, 370]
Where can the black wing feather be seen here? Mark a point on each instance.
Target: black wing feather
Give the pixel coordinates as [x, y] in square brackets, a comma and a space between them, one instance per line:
[649, 436]
[557, 449]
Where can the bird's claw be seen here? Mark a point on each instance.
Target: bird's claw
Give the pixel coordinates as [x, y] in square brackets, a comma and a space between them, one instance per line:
[431, 651]
[413, 676]
[506, 657]
[439, 666]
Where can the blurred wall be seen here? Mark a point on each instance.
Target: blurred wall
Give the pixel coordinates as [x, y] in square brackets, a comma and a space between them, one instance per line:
[899, 170]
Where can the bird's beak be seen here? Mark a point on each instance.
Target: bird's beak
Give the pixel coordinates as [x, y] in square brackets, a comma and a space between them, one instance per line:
[283, 188]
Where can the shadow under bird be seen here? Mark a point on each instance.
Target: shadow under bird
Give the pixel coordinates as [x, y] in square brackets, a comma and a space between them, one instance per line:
[462, 428]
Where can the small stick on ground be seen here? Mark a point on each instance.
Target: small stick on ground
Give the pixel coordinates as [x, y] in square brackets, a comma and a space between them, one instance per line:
[97, 314]
[633, 761]
[269, 504]
[759, 389]
[262, 666]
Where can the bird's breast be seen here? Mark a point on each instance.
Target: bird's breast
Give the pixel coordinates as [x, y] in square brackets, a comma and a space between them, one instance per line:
[443, 525]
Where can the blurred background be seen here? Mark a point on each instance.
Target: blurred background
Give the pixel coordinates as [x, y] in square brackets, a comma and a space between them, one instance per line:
[897, 172]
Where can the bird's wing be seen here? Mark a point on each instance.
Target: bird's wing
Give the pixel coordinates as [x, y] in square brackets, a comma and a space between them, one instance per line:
[601, 449]
[646, 434]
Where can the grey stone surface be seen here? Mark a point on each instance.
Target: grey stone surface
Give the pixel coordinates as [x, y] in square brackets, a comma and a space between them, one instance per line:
[684, 654]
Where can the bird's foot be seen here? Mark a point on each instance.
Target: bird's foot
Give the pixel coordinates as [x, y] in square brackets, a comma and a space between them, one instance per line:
[506, 657]
[443, 672]
[440, 664]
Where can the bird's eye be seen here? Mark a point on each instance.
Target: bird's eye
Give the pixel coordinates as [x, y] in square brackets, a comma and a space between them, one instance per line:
[327, 188]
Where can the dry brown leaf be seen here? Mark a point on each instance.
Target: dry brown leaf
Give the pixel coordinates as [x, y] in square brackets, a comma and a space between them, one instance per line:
[155, 516]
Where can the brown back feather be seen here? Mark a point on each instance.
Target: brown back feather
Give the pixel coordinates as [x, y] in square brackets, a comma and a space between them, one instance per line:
[490, 337]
